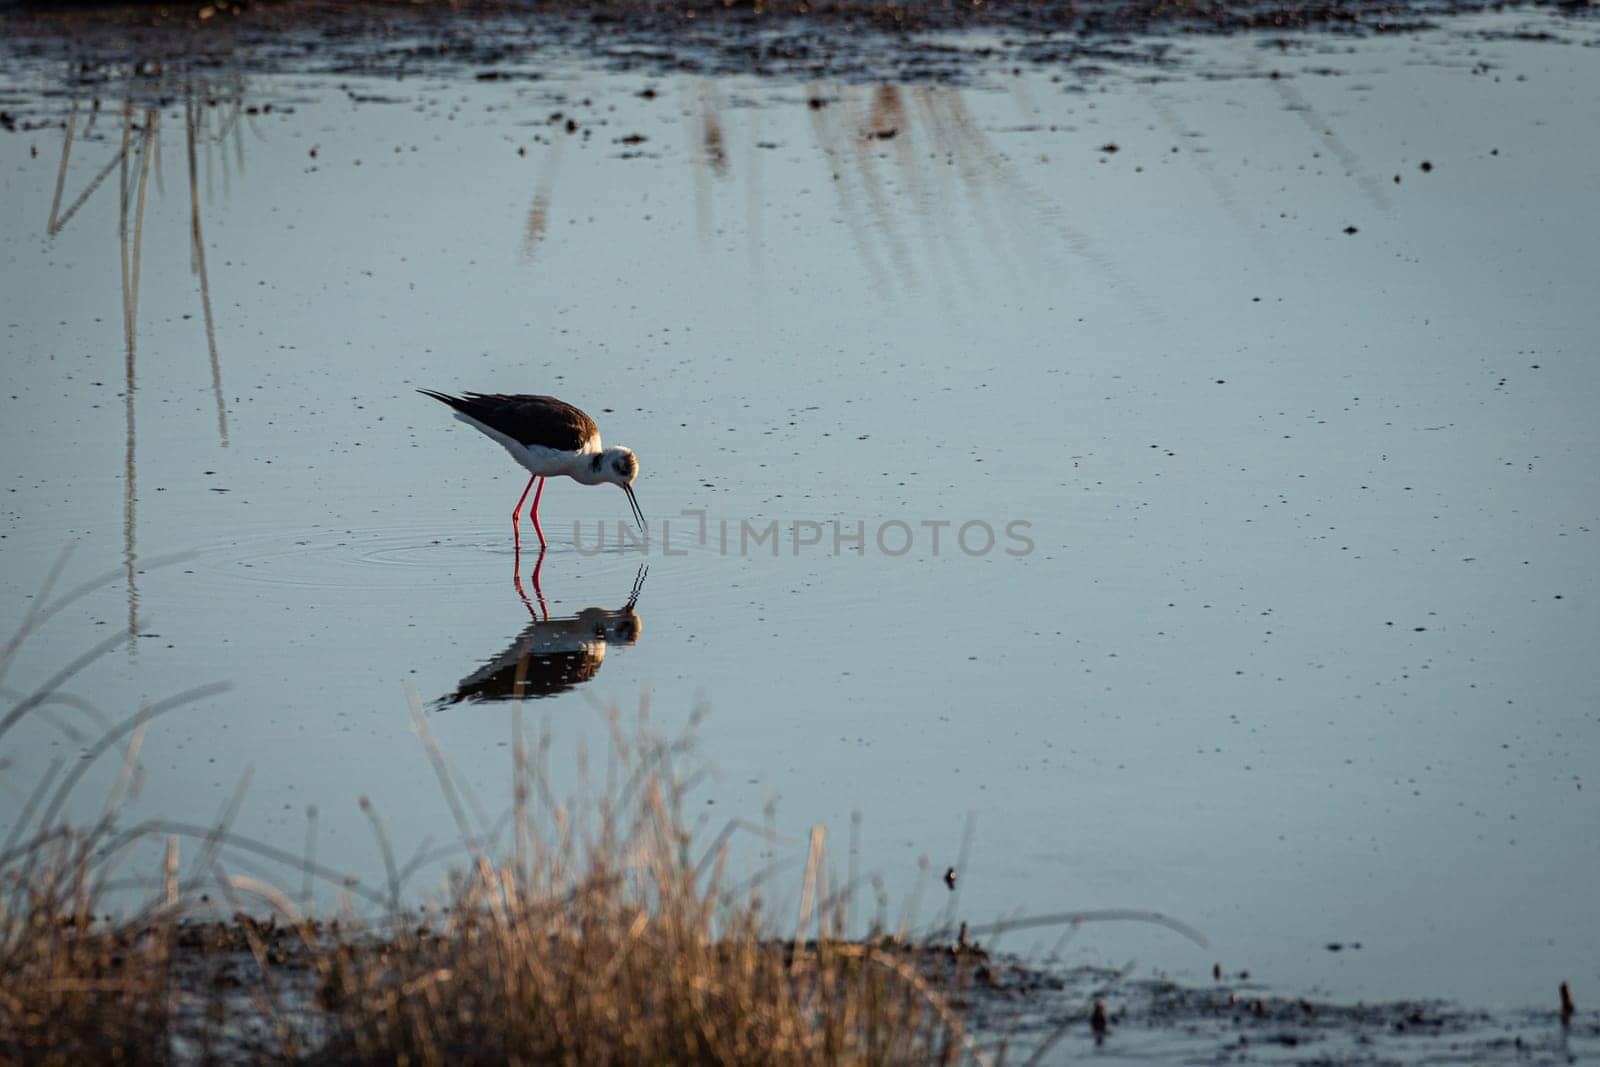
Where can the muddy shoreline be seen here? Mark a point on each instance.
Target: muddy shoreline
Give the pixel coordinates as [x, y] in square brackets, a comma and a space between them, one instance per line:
[1016, 1007]
[851, 40]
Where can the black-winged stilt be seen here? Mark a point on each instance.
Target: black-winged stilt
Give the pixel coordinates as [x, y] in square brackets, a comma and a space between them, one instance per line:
[550, 438]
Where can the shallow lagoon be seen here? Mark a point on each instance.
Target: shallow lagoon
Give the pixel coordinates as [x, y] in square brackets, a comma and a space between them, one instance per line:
[1301, 652]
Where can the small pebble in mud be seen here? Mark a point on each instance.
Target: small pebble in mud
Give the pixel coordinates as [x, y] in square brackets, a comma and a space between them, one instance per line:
[1426, 166]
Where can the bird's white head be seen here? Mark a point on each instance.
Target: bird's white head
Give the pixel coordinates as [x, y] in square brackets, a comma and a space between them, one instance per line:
[618, 466]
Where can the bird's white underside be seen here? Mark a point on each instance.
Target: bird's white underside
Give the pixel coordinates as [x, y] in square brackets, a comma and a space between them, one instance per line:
[537, 459]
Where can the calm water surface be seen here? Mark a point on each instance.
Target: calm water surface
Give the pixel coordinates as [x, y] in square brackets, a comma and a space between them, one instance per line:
[1275, 393]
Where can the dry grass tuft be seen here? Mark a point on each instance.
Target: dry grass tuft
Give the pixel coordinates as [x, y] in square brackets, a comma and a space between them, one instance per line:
[606, 942]
[610, 943]
[73, 991]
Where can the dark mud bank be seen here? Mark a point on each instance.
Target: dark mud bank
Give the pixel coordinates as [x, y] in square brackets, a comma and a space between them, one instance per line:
[1160, 1021]
[1025, 1012]
[846, 39]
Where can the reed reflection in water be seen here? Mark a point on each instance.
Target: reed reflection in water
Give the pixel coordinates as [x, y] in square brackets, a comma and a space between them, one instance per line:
[906, 163]
[213, 112]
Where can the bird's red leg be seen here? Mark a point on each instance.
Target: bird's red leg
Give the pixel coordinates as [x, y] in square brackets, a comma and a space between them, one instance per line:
[516, 566]
[516, 537]
[533, 513]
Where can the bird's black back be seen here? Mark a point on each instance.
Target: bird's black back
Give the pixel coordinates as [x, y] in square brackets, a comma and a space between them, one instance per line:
[526, 419]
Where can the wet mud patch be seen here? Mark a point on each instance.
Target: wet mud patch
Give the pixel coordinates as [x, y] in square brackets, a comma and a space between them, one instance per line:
[845, 40]
[1080, 1010]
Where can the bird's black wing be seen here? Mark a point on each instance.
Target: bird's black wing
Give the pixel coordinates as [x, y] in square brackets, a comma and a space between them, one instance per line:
[528, 420]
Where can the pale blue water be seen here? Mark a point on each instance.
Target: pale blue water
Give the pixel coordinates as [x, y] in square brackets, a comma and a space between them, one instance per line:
[1287, 628]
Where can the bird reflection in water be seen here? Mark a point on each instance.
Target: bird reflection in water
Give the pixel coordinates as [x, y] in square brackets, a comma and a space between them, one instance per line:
[552, 655]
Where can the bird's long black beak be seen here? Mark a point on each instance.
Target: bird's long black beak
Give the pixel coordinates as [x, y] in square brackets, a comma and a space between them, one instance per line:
[637, 514]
